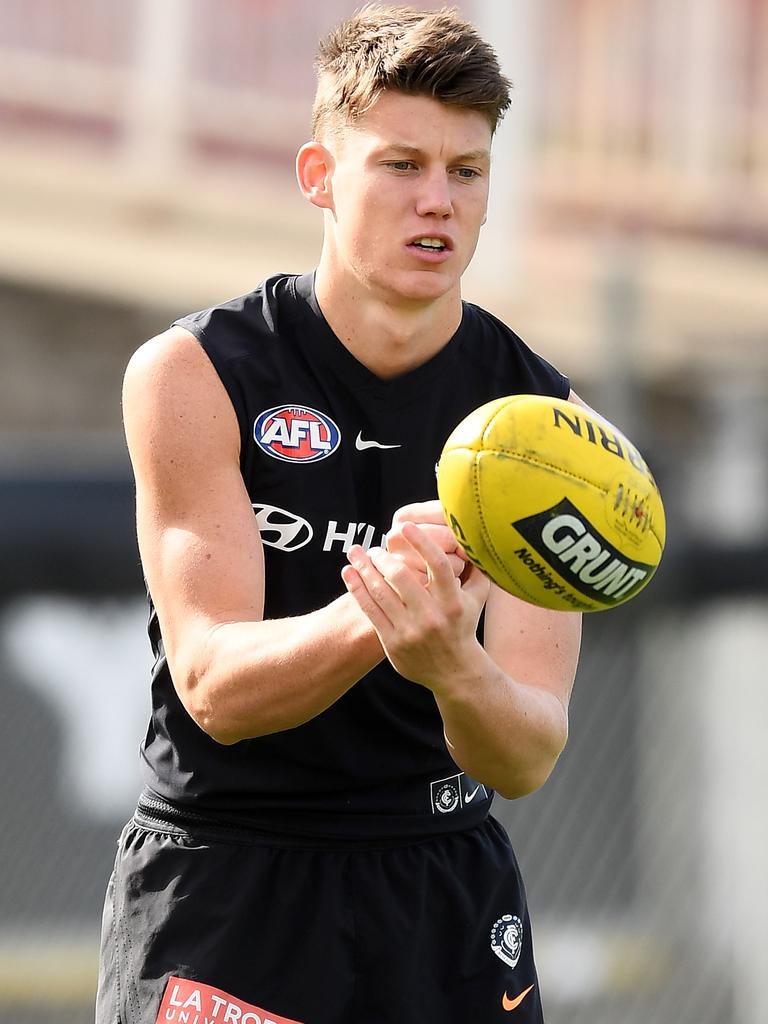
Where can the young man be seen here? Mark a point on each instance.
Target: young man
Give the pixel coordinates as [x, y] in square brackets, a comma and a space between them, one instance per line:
[314, 841]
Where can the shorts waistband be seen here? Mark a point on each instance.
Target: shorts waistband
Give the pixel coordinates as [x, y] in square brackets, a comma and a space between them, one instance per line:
[156, 814]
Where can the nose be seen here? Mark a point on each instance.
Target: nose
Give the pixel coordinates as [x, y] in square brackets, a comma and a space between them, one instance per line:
[434, 198]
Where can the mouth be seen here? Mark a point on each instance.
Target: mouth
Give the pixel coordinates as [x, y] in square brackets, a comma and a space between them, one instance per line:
[432, 247]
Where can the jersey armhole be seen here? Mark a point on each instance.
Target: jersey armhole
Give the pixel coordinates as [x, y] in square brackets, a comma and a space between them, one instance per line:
[223, 367]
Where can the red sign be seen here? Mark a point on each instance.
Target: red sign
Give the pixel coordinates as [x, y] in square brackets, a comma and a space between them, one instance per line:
[191, 1002]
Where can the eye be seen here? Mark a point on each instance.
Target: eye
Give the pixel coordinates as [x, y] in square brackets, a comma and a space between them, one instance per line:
[401, 165]
[467, 173]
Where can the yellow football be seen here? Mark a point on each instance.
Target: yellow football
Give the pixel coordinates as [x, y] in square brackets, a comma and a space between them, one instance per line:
[552, 502]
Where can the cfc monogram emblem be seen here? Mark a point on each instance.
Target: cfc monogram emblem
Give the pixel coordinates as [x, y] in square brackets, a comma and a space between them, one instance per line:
[507, 939]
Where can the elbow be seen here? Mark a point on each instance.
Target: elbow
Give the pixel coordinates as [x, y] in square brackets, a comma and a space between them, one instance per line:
[221, 732]
[213, 723]
[538, 767]
[526, 782]
[207, 707]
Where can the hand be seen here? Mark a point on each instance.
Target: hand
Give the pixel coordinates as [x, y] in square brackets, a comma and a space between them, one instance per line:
[427, 631]
[430, 518]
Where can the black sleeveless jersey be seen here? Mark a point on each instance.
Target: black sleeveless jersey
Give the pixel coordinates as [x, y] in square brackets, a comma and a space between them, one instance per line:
[328, 452]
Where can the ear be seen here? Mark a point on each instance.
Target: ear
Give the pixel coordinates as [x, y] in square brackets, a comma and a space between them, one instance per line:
[314, 171]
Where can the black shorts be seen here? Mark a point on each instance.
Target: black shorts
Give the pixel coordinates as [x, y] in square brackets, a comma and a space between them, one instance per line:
[204, 929]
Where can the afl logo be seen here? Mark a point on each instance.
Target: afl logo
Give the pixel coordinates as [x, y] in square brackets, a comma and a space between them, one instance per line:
[295, 433]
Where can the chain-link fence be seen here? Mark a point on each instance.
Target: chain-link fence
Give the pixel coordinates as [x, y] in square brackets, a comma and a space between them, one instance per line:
[643, 854]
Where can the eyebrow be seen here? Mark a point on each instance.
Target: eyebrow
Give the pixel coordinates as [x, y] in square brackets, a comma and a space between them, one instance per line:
[473, 156]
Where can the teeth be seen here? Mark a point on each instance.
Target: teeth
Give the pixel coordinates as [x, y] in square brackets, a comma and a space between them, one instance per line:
[430, 243]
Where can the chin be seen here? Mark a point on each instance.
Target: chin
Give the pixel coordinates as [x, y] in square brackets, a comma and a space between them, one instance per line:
[420, 286]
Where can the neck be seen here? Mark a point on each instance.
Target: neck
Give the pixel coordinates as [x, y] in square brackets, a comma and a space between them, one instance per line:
[387, 333]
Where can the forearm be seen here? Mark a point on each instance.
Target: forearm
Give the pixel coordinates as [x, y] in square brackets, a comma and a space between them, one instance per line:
[506, 734]
[250, 679]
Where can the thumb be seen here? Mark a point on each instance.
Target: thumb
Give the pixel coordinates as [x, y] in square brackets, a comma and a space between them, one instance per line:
[475, 583]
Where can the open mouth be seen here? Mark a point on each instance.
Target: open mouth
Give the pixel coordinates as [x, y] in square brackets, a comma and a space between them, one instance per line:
[431, 248]
[430, 244]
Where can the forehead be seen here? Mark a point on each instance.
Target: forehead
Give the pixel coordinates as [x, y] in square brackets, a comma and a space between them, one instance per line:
[420, 122]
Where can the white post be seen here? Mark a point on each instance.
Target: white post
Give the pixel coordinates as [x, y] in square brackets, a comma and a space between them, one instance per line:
[734, 695]
[154, 140]
[759, 126]
[703, 824]
[511, 29]
[703, 80]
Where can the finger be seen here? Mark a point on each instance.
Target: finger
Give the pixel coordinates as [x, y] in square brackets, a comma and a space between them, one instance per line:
[356, 588]
[374, 581]
[420, 512]
[416, 565]
[438, 566]
[442, 536]
[475, 583]
[406, 582]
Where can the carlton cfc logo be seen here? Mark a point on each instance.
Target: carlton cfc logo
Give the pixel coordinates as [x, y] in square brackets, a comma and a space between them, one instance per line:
[295, 433]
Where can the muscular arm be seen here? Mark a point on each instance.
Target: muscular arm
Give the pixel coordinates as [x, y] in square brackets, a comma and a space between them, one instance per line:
[509, 719]
[237, 674]
[506, 711]
[504, 704]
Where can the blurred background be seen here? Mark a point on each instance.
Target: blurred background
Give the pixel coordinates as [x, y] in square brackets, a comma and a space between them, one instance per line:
[146, 169]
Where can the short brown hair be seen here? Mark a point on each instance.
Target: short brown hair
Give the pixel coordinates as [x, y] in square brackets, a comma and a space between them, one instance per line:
[428, 53]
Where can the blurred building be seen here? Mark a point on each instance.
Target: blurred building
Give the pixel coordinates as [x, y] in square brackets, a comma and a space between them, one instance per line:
[146, 169]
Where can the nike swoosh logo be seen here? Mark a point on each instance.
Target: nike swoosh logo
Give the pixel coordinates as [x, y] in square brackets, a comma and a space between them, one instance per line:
[469, 797]
[512, 1004]
[361, 445]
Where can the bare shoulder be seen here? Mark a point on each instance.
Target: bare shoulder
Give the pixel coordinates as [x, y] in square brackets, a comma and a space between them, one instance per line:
[172, 395]
[173, 359]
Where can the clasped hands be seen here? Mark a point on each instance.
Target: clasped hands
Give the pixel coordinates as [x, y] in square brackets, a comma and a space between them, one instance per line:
[421, 595]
